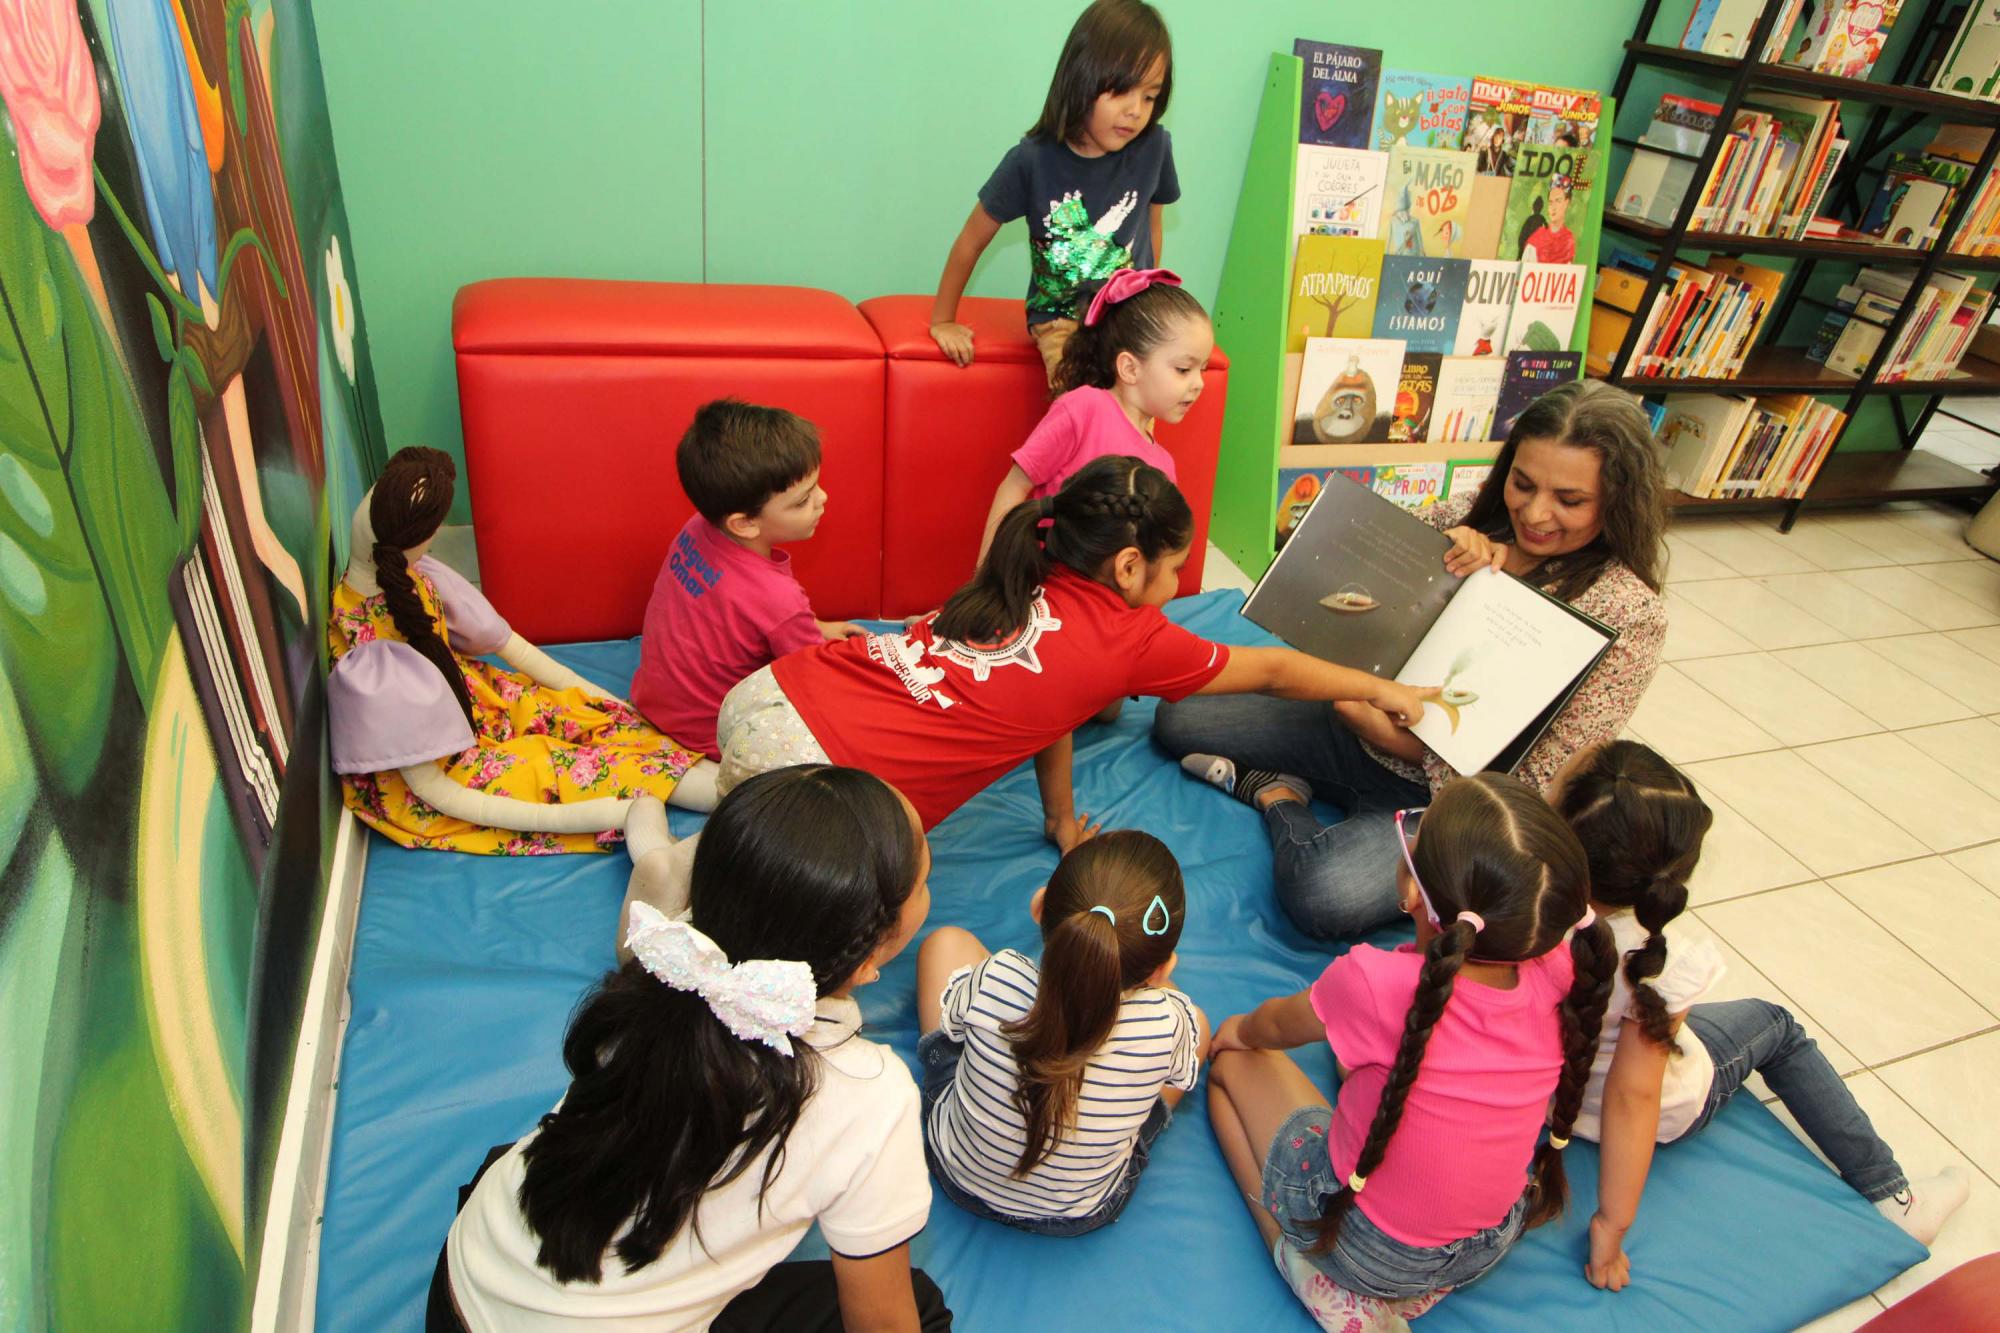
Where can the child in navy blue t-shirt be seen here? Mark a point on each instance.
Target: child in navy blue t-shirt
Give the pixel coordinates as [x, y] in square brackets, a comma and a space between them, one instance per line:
[1091, 178]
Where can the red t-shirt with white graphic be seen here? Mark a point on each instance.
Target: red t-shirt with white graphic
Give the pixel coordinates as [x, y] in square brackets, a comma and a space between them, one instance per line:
[940, 720]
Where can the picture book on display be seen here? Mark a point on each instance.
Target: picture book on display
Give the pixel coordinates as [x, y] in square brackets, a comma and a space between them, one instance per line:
[1420, 301]
[1347, 390]
[1496, 123]
[1420, 110]
[1427, 201]
[1338, 96]
[1528, 376]
[1551, 194]
[1335, 284]
[1724, 27]
[1410, 419]
[1465, 479]
[1563, 116]
[1545, 307]
[1971, 64]
[1411, 486]
[1362, 583]
[1338, 192]
[1490, 289]
[1468, 395]
[1844, 37]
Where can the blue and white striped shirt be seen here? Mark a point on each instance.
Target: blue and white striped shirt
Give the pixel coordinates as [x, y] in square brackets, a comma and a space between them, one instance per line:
[977, 1134]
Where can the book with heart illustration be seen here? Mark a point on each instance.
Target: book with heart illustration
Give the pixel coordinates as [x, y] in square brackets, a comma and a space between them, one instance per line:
[1337, 97]
[1362, 582]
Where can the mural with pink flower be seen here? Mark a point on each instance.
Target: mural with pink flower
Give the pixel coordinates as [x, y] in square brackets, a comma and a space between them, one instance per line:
[185, 400]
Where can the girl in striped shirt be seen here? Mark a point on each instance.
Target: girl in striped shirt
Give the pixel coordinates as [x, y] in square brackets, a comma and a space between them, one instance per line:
[1045, 1084]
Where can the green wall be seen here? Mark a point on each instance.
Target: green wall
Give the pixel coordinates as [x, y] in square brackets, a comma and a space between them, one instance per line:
[836, 143]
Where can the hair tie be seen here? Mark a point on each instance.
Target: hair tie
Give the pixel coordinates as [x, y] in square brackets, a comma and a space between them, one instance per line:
[1477, 921]
[1106, 913]
[1123, 285]
[1357, 1183]
[1558, 1141]
[1046, 506]
[764, 999]
[1588, 919]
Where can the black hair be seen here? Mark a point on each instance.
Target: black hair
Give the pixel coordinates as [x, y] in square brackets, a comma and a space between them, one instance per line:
[1641, 823]
[813, 864]
[1137, 324]
[737, 455]
[1111, 503]
[1631, 494]
[1110, 49]
[406, 508]
[1491, 845]
[1089, 961]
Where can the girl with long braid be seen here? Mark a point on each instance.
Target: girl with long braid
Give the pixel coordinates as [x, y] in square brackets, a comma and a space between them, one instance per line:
[438, 749]
[1664, 1066]
[1453, 1053]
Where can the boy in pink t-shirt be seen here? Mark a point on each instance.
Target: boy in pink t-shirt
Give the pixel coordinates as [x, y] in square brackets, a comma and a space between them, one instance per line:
[726, 603]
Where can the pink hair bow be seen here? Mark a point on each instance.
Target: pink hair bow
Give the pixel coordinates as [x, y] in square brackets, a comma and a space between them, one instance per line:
[1125, 284]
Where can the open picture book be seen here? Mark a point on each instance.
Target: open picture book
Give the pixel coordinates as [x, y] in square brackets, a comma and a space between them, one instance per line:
[1362, 583]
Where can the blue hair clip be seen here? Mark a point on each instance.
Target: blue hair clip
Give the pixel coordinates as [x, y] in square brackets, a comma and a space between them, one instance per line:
[1166, 917]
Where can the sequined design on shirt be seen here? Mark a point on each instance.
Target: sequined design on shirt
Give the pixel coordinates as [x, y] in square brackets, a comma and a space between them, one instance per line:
[1077, 252]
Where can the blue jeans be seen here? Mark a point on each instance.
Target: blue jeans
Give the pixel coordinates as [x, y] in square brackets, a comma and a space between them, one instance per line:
[1756, 1036]
[939, 1056]
[1299, 1179]
[1334, 880]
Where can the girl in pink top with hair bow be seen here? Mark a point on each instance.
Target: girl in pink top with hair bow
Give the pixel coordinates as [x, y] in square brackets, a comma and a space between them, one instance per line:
[1136, 359]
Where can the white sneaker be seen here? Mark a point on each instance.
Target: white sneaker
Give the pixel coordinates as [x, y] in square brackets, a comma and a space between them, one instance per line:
[1924, 1207]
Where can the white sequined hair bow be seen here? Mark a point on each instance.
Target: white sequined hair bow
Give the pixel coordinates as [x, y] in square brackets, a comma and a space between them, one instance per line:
[765, 999]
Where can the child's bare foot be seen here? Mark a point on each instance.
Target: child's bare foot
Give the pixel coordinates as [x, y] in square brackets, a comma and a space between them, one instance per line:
[1923, 1206]
[1259, 788]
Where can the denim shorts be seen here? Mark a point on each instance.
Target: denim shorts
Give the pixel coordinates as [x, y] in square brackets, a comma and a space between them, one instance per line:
[1299, 1179]
[939, 1056]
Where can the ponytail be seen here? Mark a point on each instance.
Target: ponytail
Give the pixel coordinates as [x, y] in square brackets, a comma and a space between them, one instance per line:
[1111, 915]
[1642, 824]
[1582, 1012]
[1442, 961]
[407, 506]
[1137, 324]
[1111, 503]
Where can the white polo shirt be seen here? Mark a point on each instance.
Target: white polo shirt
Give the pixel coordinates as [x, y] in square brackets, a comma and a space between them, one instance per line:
[854, 1163]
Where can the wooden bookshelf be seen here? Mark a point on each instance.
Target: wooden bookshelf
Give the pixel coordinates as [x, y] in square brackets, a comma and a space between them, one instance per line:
[1892, 108]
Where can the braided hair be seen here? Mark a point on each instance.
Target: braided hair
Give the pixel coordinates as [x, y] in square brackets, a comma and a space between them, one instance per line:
[1491, 845]
[1641, 823]
[407, 507]
[1112, 503]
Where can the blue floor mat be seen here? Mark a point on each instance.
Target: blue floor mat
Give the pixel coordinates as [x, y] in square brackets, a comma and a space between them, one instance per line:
[466, 969]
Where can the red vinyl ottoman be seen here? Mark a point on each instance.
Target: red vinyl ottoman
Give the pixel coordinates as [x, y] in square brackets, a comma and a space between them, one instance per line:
[949, 432]
[573, 394]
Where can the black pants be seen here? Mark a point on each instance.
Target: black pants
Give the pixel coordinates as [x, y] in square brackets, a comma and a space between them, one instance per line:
[792, 1298]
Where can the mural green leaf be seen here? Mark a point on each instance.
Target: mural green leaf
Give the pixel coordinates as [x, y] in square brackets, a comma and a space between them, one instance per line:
[163, 334]
[184, 431]
[236, 244]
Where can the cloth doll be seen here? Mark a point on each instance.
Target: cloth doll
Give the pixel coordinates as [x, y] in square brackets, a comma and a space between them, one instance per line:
[439, 749]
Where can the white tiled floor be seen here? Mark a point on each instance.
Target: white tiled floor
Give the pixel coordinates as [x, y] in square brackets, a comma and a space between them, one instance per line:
[1835, 691]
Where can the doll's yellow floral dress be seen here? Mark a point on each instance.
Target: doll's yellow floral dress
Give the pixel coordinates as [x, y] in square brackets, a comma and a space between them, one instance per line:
[388, 708]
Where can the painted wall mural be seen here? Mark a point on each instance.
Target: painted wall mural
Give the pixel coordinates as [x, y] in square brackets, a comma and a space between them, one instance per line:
[185, 400]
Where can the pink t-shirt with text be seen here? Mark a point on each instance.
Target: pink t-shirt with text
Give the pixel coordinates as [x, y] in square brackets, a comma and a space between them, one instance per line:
[1460, 1155]
[718, 612]
[1083, 424]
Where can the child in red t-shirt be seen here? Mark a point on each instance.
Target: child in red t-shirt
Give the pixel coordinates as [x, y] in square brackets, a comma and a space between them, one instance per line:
[727, 603]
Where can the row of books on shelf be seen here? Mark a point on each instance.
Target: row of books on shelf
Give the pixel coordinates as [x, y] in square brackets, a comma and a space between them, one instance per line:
[1350, 287]
[1770, 172]
[1378, 391]
[1727, 446]
[1939, 332]
[1838, 37]
[1445, 166]
[1411, 485]
[1703, 321]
